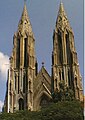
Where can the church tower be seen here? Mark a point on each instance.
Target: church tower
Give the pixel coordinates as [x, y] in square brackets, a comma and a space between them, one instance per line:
[65, 66]
[32, 90]
[22, 70]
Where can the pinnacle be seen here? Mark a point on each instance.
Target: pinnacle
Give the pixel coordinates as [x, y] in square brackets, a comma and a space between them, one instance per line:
[62, 20]
[25, 12]
[61, 9]
[24, 23]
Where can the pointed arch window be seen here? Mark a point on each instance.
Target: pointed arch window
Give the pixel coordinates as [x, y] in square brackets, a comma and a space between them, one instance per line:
[26, 77]
[24, 83]
[25, 52]
[44, 102]
[21, 104]
[60, 75]
[68, 51]
[60, 47]
[18, 54]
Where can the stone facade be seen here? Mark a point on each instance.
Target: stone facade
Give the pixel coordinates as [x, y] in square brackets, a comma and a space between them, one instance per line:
[26, 87]
[42, 89]
[65, 66]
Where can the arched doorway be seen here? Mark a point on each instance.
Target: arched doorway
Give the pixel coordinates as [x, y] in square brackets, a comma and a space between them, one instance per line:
[21, 104]
[44, 102]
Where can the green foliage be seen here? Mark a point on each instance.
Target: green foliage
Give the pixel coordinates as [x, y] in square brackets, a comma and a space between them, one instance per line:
[65, 110]
[64, 94]
[65, 107]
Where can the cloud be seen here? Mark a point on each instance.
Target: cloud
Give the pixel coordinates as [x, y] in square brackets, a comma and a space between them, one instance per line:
[4, 65]
[1, 105]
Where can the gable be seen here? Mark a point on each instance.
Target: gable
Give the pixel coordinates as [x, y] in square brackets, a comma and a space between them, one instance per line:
[42, 77]
[42, 89]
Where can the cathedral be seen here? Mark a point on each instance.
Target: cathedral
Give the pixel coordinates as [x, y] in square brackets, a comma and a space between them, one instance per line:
[28, 88]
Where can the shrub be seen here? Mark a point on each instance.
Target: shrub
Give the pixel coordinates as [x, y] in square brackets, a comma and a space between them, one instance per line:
[65, 110]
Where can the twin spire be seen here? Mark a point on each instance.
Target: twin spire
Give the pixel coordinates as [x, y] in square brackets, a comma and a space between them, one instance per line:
[25, 24]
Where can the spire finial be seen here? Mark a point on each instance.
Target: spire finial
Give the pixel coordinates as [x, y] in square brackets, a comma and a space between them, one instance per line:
[61, 7]
[61, 1]
[43, 64]
[25, 1]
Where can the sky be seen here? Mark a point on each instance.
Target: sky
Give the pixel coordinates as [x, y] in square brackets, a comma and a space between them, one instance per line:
[43, 15]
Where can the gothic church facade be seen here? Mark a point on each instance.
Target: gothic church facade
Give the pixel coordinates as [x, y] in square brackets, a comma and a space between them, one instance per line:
[26, 87]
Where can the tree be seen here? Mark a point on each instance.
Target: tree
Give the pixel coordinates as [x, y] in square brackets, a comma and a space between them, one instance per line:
[63, 94]
[64, 110]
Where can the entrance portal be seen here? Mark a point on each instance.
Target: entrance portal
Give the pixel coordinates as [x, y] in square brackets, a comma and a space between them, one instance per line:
[44, 101]
[21, 104]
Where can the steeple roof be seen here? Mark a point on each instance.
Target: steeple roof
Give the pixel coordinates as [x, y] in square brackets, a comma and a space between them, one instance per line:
[25, 12]
[61, 10]
[24, 25]
[62, 20]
